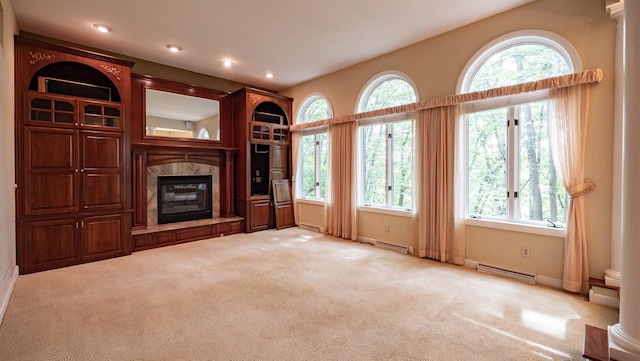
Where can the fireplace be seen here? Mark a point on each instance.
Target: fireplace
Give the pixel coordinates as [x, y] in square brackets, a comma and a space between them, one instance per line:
[184, 198]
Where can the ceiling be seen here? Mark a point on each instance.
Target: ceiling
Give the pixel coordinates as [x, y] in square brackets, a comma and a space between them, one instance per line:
[296, 40]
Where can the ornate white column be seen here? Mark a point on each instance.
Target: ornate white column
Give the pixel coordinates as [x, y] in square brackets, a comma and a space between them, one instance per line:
[624, 337]
[612, 275]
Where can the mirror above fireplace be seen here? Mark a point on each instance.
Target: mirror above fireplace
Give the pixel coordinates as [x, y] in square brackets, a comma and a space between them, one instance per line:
[181, 116]
[171, 114]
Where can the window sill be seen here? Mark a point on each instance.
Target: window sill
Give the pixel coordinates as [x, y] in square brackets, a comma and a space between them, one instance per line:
[516, 227]
[388, 211]
[317, 202]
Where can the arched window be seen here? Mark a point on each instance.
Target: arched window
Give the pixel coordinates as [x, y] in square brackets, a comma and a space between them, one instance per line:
[386, 146]
[203, 133]
[314, 107]
[519, 57]
[385, 90]
[313, 148]
[510, 171]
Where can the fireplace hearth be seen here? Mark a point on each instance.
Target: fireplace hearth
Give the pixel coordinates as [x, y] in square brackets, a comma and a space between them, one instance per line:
[184, 198]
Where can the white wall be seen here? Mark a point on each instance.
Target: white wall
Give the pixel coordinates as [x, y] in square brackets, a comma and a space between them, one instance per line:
[8, 270]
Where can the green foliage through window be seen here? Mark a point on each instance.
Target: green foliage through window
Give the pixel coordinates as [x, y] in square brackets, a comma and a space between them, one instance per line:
[387, 148]
[314, 152]
[505, 159]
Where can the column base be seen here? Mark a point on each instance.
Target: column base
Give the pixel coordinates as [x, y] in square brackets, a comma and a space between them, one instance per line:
[612, 278]
[621, 346]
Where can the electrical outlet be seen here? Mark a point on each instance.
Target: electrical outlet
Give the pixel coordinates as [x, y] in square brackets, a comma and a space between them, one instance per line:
[525, 252]
[386, 228]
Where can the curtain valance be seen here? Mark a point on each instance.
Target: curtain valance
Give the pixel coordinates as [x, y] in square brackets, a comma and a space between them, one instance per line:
[562, 81]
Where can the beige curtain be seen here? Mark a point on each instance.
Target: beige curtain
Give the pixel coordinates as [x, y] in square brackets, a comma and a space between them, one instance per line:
[296, 137]
[568, 129]
[439, 234]
[341, 206]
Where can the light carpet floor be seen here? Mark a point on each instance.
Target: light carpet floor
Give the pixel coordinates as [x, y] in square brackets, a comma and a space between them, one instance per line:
[288, 295]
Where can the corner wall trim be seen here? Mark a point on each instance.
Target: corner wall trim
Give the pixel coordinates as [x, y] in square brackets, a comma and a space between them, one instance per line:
[7, 296]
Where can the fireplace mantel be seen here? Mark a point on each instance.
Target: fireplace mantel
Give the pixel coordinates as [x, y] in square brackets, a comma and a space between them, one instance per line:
[147, 236]
[144, 157]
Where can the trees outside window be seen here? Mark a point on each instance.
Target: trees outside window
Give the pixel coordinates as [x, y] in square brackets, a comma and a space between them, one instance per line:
[510, 171]
[313, 150]
[386, 147]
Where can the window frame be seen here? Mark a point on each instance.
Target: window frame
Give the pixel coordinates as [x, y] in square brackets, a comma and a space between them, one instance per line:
[388, 122]
[512, 104]
[304, 106]
[363, 98]
[375, 81]
[522, 37]
[316, 168]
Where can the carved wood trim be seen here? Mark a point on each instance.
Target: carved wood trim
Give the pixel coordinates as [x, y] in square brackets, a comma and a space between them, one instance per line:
[36, 56]
[112, 70]
[160, 158]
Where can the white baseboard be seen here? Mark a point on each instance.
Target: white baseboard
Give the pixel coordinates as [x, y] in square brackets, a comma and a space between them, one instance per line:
[371, 241]
[543, 280]
[10, 278]
[549, 281]
[471, 264]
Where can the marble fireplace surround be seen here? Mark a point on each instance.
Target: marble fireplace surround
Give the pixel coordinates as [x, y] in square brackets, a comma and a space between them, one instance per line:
[180, 168]
[150, 162]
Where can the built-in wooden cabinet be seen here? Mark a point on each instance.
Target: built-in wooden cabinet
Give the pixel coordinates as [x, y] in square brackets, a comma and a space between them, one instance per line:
[261, 210]
[73, 197]
[166, 235]
[261, 134]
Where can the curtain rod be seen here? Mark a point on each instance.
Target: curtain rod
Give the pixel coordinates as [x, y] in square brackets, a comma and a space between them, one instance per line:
[562, 81]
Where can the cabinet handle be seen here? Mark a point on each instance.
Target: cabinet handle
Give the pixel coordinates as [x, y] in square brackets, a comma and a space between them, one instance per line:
[77, 225]
[82, 224]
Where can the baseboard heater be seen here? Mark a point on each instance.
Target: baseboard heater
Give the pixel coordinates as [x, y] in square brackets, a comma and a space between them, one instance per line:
[520, 276]
[309, 227]
[392, 247]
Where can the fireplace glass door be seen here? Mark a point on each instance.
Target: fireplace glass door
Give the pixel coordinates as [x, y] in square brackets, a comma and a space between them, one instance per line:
[183, 198]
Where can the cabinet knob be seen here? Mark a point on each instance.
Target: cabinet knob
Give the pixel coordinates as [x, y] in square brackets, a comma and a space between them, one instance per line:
[76, 171]
[82, 170]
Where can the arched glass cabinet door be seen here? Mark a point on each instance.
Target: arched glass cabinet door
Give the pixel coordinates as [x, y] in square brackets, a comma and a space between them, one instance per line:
[269, 123]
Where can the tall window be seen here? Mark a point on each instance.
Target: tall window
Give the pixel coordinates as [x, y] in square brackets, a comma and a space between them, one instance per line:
[386, 147]
[510, 170]
[313, 149]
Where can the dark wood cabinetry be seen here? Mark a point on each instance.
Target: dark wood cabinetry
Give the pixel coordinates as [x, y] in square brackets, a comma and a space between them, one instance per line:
[261, 134]
[71, 156]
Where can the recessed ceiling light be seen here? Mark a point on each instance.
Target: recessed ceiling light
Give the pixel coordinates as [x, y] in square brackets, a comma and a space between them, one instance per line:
[269, 75]
[174, 48]
[102, 28]
[227, 63]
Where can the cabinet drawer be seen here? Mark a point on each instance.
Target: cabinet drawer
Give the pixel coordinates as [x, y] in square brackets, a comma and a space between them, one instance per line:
[235, 227]
[164, 238]
[142, 241]
[220, 228]
[193, 233]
